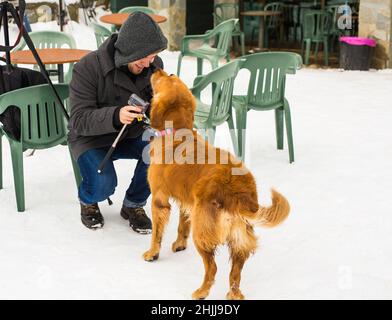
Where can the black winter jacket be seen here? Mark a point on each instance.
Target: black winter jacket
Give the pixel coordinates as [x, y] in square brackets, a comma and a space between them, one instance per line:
[97, 90]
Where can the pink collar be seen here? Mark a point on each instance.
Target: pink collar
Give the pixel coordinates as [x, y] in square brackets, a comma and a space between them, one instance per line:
[165, 132]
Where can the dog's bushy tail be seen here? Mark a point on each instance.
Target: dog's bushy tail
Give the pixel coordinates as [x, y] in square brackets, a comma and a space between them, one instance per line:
[270, 216]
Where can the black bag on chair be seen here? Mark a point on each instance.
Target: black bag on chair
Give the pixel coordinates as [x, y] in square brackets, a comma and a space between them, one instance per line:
[16, 78]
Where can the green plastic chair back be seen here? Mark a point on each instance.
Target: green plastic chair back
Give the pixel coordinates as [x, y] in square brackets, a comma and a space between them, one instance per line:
[316, 29]
[226, 11]
[221, 34]
[101, 33]
[222, 81]
[210, 115]
[273, 22]
[42, 127]
[334, 10]
[290, 14]
[341, 2]
[291, 20]
[147, 10]
[224, 31]
[317, 25]
[266, 91]
[267, 77]
[42, 122]
[51, 39]
[131, 9]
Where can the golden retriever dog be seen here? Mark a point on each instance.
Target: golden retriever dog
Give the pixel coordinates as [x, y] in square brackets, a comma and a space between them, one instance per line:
[216, 203]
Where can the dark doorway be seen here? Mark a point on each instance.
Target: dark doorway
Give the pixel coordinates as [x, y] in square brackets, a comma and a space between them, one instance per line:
[199, 17]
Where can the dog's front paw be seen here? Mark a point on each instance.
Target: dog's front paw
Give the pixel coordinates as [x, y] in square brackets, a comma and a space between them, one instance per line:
[235, 295]
[151, 256]
[179, 245]
[200, 294]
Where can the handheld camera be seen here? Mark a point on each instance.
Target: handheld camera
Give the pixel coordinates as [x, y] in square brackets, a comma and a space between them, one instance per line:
[135, 100]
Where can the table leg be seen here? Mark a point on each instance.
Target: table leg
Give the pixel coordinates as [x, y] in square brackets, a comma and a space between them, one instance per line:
[261, 32]
[60, 70]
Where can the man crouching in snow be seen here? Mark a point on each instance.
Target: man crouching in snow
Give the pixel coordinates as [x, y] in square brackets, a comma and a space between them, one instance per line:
[101, 85]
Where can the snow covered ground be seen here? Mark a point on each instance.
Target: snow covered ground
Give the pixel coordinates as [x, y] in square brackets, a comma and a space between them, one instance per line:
[336, 243]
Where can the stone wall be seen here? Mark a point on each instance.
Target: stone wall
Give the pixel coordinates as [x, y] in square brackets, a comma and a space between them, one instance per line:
[175, 12]
[375, 18]
[36, 10]
[174, 27]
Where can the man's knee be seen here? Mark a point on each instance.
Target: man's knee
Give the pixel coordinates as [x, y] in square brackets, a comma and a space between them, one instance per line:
[105, 185]
[100, 188]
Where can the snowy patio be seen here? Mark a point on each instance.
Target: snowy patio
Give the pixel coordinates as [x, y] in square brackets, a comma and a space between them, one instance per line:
[336, 243]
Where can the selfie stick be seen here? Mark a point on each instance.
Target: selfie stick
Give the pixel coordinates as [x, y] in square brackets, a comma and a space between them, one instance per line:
[133, 100]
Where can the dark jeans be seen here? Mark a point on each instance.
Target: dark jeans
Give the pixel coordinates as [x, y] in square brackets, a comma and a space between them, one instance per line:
[98, 187]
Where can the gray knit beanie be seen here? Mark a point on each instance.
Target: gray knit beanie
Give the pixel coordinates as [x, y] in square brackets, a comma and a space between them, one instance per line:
[138, 37]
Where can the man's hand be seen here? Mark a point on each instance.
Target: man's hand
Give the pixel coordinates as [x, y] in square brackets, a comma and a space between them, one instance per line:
[129, 113]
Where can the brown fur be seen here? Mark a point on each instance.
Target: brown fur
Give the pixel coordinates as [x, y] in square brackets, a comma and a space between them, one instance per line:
[217, 206]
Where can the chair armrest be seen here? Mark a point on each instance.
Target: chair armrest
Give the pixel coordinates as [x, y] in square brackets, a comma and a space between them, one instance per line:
[187, 39]
[2, 109]
[215, 31]
[297, 64]
[197, 80]
[202, 81]
[5, 101]
[199, 84]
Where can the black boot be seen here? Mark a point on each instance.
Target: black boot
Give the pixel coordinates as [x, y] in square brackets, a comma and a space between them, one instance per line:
[138, 219]
[91, 216]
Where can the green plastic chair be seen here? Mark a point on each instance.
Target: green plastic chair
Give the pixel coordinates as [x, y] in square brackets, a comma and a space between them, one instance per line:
[266, 91]
[272, 23]
[225, 11]
[291, 22]
[51, 39]
[147, 10]
[249, 23]
[340, 2]
[42, 127]
[316, 29]
[101, 33]
[335, 32]
[221, 34]
[131, 9]
[303, 8]
[210, 115]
